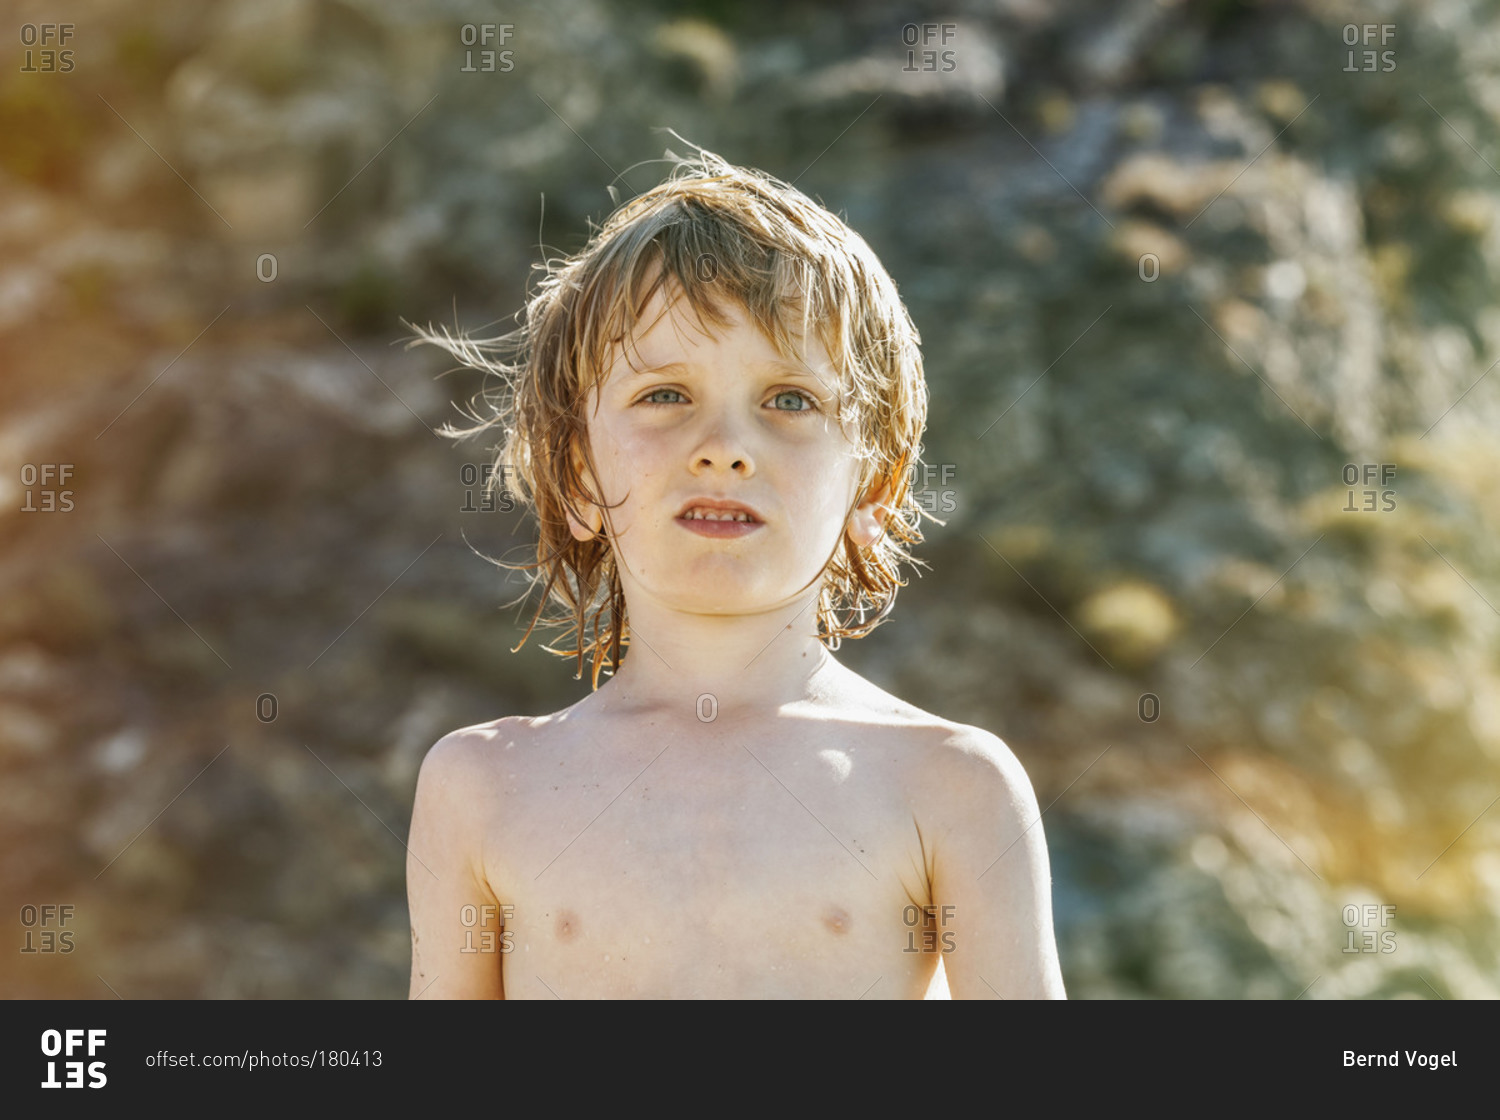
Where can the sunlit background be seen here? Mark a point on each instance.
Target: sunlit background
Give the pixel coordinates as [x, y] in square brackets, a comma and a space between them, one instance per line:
[1206, 298]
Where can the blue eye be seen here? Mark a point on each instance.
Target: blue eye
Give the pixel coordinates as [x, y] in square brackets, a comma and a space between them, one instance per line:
[812, 404]
[647, 398]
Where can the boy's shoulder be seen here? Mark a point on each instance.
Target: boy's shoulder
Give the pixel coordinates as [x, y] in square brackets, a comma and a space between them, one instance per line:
[954, 750]
[466, 756]
[961, 763]
[471, 745]
[956, 773]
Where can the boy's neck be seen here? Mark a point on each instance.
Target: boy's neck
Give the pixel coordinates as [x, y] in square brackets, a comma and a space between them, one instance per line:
[722, 666]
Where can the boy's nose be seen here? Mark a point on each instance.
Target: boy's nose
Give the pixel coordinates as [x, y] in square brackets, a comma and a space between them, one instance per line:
[735, 462]
[723, 447]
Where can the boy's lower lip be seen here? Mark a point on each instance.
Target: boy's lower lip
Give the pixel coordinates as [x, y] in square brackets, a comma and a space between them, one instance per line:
[720, 529]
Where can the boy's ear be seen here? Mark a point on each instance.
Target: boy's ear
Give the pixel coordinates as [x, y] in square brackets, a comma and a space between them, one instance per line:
[595, 516]
[588, 532]
[867, 522]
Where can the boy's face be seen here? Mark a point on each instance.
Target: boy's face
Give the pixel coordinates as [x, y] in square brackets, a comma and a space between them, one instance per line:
[684, 414]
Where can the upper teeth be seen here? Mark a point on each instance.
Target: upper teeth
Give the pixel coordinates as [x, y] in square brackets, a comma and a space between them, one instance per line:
[697, 513]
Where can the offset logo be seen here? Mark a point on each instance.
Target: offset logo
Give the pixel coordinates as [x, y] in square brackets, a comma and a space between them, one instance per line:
[65, 1044]
[35, 920]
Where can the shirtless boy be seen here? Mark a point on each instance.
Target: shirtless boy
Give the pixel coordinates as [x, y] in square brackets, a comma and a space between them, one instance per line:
[733, 813]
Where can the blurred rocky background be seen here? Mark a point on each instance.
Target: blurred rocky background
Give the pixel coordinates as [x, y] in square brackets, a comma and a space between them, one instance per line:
[1206, 297]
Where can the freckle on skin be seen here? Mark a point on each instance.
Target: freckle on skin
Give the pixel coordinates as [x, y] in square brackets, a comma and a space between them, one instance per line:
[838, 920]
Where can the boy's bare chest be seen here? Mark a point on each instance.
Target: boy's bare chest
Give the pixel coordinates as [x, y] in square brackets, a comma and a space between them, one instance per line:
[710, 863]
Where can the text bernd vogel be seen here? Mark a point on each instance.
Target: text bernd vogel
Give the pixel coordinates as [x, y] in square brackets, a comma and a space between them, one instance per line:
[1413, 1058]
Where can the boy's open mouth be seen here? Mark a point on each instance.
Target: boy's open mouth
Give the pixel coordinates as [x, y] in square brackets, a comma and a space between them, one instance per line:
[711, 509]
[711, 517]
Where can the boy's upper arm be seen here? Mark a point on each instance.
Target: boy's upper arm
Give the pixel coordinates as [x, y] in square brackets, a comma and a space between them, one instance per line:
[991, 883]
[454, 950]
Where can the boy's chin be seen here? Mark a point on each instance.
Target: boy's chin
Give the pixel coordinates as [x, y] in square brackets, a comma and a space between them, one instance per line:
[723, 588]
[721, 599]
[719, 605]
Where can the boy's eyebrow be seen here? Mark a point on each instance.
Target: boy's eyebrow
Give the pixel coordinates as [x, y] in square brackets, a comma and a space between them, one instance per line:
[780, 364]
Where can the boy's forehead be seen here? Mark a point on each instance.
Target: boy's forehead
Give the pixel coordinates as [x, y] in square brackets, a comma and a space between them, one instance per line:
[668, 333]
